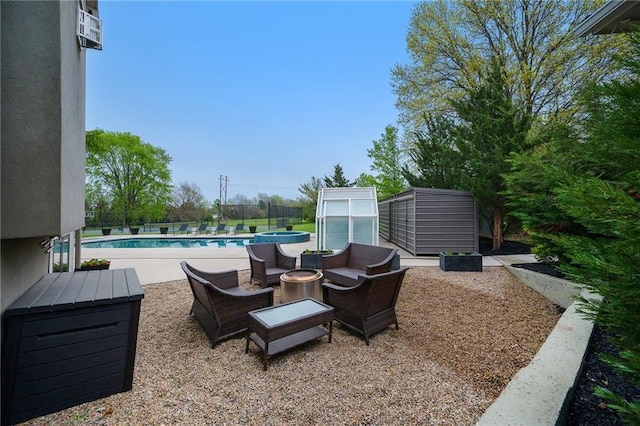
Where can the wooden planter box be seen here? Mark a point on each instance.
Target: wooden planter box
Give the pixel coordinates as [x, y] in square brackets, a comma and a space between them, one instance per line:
[164, 230]
[71, 338]
[253, 228]
[106, 231]
[134, 231]
[467, 262]
[312, 260]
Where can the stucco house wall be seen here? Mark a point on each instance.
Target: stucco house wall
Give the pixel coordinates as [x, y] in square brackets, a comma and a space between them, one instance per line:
[42, 136]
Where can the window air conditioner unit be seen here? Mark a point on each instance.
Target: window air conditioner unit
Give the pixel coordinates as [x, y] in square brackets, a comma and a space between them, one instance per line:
[89, 30]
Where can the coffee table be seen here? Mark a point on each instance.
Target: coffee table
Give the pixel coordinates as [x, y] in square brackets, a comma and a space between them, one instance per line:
[278, 328]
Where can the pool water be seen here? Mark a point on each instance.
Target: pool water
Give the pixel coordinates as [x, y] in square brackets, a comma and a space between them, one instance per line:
[169, 243]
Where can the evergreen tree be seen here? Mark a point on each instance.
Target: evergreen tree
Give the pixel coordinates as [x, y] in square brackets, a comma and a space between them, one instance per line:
[473, 153]
[435, 160]
[531, 183]
[337, 180]
[491, 129]
[592, 192]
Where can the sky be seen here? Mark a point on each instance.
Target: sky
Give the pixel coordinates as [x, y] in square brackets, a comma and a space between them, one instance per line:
[266, 94]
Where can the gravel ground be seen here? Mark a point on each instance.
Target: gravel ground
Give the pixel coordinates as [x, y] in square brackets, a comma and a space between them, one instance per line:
[462, 336]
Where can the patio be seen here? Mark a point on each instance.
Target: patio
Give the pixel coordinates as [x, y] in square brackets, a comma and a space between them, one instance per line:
[462, 337]
[161, 265]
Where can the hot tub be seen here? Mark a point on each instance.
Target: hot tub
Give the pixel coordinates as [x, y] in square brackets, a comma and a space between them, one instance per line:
[282, 237]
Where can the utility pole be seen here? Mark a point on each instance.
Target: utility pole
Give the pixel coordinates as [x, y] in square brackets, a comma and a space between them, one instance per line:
[224, 181]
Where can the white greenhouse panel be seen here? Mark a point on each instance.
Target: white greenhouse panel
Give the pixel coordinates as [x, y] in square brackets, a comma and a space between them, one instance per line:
[337, 233]
[363, 230]
[346, 215]
[337, 208]
[363, 207]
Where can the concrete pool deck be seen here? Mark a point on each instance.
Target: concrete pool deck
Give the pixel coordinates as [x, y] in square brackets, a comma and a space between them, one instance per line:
[163, 264]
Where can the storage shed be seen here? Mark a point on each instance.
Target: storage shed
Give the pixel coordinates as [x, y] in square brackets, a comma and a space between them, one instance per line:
[426, 221]
[346, 215]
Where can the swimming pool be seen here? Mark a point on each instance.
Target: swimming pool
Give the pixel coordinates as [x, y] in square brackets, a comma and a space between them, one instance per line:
[169, 243]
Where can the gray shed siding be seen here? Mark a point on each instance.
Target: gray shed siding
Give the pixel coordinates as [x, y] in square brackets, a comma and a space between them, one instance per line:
[426, 221]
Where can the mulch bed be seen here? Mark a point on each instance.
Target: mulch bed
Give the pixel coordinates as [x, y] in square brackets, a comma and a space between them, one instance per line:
[585, 408]
[588, 409]
[542, 268]
[508, 247]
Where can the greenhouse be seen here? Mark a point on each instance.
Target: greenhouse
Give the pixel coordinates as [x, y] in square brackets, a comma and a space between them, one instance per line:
[346, 215]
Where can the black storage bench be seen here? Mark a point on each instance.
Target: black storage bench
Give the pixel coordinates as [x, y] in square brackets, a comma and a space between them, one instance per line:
[71, 338]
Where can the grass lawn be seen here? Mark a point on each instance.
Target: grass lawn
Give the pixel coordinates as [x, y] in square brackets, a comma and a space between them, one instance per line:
[306, 226]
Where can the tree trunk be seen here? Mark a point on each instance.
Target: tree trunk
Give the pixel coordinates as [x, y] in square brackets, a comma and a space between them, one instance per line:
[497, 229]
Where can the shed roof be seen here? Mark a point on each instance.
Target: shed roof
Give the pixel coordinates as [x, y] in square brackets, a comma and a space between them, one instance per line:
[440, 191]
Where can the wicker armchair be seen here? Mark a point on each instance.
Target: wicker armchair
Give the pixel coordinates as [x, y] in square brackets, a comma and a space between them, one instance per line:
[268, 262]
[355, 259]
[369, 306]
[220, 305]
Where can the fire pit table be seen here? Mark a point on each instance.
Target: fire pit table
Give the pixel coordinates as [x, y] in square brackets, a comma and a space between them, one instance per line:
[278, 328]
[300, 283]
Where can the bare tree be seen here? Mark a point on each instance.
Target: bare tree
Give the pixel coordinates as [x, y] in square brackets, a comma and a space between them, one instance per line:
[451, 44]
[188, 203]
